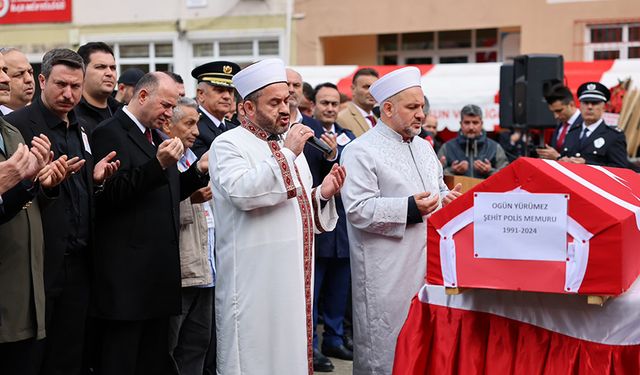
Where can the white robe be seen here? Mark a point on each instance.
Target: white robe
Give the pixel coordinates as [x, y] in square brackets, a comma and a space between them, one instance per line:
[388, 256]
[260, 288]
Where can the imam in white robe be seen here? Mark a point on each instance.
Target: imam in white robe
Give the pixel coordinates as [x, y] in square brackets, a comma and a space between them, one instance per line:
[388, 256]
[260, 288]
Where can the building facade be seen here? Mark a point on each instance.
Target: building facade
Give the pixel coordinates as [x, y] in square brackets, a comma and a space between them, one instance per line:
[362, 32]
[175, 35]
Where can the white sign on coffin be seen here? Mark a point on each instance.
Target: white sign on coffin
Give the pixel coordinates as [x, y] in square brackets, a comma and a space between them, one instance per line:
[520, 226]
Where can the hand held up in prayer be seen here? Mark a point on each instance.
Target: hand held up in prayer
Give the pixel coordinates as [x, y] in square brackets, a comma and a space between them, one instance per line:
[169, 152]
[460, 167]
[105, 168]
[203, 163]
[548, 152]
[333, 182]
[15, 169]
[54, 173]
[331, 141]
[453, 194]
[296, 137]
[202, 195]
[484, 167]
[40, 154]
[426, 203]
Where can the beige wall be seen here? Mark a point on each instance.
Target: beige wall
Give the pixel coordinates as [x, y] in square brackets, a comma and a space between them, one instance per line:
[546, 26]
[126, 11]
[347, 50]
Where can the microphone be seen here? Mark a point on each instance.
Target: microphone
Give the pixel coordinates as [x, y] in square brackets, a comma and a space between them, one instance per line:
[319, 144]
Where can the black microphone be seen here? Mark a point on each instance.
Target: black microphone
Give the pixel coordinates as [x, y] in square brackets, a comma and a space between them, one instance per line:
[320, 145]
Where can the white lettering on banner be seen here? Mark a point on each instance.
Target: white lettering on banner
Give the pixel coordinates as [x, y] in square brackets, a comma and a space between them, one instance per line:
[520, 226]
[37, 6]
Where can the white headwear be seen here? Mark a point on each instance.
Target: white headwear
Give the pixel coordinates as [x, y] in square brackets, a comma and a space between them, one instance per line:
[394, 82]
[261, 74]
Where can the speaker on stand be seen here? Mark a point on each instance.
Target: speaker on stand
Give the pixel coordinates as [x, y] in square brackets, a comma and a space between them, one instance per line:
[522, 95]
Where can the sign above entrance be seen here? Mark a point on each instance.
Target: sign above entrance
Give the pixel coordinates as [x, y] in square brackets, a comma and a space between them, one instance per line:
[34, 11]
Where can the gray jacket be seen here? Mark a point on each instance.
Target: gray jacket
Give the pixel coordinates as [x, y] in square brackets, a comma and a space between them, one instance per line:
[194, 249]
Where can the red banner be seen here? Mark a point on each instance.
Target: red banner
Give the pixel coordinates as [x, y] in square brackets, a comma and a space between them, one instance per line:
[34, 11]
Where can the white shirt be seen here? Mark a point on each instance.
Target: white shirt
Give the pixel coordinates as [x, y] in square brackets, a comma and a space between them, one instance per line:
[573, 117]
[5, 110]
[216, 122]
[132, 117]
[365, 114]
[591, 128]
[298, 117]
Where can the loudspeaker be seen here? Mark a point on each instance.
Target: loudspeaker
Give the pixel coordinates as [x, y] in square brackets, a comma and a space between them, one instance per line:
[506, 96]
[533, 76]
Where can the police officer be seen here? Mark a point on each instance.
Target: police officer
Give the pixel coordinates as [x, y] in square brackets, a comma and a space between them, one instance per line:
[215, 99]
[595, 142]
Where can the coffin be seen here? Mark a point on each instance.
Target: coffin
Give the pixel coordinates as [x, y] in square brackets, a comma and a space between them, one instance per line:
[601, 254]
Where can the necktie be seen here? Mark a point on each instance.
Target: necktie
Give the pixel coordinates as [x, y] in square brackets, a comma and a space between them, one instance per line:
[584, 136]
[147, 133]
[372, 120]
[223, 126]
[561, 136]
[2, 149]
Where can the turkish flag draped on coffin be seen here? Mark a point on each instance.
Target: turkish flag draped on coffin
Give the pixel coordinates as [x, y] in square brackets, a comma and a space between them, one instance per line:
[531, 316]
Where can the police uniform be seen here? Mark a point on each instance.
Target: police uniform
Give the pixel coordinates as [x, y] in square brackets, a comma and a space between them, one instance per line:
[603, 145]
[217, 73]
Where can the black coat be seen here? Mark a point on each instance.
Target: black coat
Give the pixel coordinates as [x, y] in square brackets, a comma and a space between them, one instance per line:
[208, 132]
[136, 258]
[89, 117]
[57, 229]
[334, 244]
[606, 146]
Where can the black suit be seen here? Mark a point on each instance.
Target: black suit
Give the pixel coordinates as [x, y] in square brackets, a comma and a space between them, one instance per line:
[136, 260]
[67, 224]
[332, 268]
[208, 132]
[556, 131]
[605, 146]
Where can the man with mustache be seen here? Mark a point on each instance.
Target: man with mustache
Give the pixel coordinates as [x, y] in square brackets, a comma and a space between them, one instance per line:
[394, 183]
[266, 212]
[97, 104]
[593, 141]
[215, 97]
[472, 153]
[21, 80]
[68, 220]
[136, 261]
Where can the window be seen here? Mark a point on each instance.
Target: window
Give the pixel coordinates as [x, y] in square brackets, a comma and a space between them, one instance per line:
[148, 57]
[236, 49]
[454, 39]
[613, 41]
[242, 52]
[442, 47]
[418, 41]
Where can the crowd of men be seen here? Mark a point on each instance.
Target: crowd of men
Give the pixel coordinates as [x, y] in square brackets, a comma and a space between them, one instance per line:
[144, 232]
